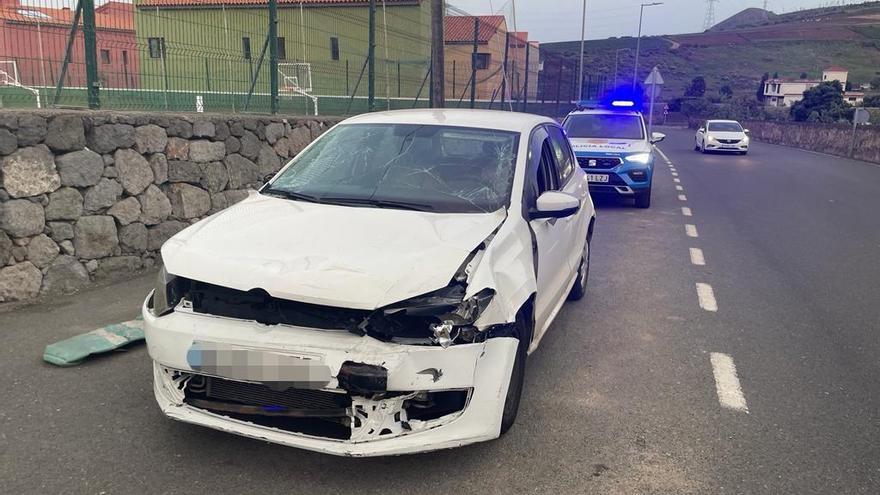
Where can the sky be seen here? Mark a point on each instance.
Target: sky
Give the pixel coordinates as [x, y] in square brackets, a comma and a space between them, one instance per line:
[560, 20]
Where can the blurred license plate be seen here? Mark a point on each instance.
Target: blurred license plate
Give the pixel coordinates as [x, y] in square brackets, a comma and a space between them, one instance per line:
[259, 366]
[597, 178]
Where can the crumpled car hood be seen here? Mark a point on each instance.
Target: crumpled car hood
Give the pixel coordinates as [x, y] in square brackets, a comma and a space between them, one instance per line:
[360, 258]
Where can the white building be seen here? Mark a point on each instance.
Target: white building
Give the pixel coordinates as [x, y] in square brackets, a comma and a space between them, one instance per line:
[784, 92]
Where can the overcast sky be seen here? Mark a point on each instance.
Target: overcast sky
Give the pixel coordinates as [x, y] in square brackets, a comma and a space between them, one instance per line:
[559, 20]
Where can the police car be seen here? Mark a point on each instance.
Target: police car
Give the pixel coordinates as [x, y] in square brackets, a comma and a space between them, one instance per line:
[611, 144]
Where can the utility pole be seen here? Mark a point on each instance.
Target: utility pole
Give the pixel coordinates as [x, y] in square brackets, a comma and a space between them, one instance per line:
[504, 68]
[709, 21]
[474, 61]
[581, 63]
[438, 91]
[273, 56]
[371, 60]
[90, 48]
[616, 57]
[639, 41]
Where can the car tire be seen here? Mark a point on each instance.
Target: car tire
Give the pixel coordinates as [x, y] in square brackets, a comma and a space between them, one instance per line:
[703, 148]
[517, 376]
[743, 153]
[643, 199]
[696, 145]
[579, 289]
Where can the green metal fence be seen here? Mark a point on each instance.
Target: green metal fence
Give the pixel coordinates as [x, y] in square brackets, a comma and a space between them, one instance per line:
[265, 56]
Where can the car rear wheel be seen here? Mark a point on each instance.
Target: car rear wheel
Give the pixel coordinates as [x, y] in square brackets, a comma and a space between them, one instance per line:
[583, 274]
[696, 145]
[643, 199]
[517, 375]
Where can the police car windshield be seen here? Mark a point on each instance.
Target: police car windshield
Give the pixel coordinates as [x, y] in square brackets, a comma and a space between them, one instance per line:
[725, 127]
[609, 125]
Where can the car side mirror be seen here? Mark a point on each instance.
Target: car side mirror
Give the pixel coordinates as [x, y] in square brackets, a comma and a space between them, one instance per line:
[656, 137]
[555, 204]
[701, 129]
[746, 131]
[267, 178]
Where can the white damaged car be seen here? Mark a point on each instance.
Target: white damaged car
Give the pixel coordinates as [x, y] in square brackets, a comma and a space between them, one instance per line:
[381, 293]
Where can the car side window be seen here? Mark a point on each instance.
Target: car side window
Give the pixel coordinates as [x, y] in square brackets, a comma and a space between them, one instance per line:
[562, 152]
[548, 177]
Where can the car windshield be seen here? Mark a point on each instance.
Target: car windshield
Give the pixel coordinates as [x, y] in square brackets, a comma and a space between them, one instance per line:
[725, 127]
[408, 166]
[611, 126]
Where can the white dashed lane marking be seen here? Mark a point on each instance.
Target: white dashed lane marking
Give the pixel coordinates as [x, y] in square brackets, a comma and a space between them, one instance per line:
[682, 197]
[679, 188]
[706, 296]
[691, 230]
[686, 211]
[676, 179]
[730, 394]
[697, 257]
[675, 174]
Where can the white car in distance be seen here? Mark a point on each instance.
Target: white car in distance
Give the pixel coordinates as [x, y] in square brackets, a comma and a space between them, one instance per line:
[381, 293]
[722, 135]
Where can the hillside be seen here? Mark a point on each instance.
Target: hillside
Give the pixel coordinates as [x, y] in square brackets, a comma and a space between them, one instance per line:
[788, 44]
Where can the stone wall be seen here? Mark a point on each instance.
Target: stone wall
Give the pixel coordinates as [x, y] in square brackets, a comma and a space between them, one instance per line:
[833, 139]
[86, 194]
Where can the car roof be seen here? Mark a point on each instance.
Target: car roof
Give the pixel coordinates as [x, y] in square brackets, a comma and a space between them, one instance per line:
[604, 111]
[723, 121]
[481, 119]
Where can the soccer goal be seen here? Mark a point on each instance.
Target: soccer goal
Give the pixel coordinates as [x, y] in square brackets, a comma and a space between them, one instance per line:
[9, 77]
[296, 80]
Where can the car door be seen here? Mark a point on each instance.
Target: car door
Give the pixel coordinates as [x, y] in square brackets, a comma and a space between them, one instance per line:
[575, 226]
[553, 267]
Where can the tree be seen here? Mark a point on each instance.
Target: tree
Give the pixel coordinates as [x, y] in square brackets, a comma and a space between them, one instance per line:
[759, 95]
[822, 103]
[697, 88]
[776, 75]
[849, 86]
[804, 75]
[872, 101]
[726, 91]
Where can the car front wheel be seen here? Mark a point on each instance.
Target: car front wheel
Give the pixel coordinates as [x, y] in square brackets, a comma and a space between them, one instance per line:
[583, 274]
[517, 375]
[643, 199]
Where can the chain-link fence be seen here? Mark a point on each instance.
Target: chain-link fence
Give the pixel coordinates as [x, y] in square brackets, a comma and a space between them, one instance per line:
[330, 57]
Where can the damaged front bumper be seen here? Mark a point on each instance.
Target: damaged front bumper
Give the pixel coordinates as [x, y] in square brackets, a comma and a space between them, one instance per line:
[360, 396]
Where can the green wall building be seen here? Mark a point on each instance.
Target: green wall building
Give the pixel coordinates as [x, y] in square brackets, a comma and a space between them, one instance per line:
[209, 49]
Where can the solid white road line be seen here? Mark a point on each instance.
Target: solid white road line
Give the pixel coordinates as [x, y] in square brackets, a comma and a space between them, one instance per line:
[686, 211]
[697, 257]
[662, 154]
[679, 188]
[691, 230]
[730, 394]
[707, 297]
[682, 197]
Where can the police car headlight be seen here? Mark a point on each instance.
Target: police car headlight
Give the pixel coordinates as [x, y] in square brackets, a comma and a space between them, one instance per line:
[710, 138]
[642, 158]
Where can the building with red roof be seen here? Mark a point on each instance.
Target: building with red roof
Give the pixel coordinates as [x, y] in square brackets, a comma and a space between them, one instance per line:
[33, 40]
[491, 37]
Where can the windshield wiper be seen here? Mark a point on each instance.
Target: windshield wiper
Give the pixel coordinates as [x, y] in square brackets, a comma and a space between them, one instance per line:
[292, 195]
[380, 203]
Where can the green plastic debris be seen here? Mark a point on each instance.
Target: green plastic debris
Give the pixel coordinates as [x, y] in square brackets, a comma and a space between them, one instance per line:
[72, 351]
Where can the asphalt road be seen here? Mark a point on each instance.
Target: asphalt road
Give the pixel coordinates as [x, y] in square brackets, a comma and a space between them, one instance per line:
[623, 395]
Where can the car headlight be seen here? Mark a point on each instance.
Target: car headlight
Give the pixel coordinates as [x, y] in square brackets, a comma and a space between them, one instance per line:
[745, 140]
[168, 292]
[441, 316]
[710, 138]
[642, 158]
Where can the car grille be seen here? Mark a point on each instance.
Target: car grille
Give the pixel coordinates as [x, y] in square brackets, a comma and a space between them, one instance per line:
[603, 162]
[728, 141]
[259, 306]
[257, 394]
[312, 412]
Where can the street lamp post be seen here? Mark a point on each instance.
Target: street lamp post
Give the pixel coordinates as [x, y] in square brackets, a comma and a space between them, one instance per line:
[639, 41]
[581, 63]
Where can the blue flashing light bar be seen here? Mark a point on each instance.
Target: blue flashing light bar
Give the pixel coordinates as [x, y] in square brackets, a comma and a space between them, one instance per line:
[623, 103]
